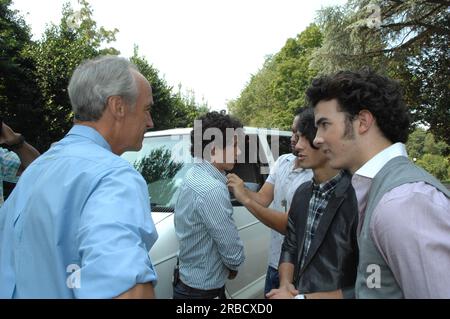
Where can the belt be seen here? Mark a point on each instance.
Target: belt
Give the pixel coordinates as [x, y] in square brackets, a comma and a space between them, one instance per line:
[191, 289]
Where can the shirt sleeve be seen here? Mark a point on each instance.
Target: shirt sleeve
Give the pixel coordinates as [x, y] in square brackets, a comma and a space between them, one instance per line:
[10, 164]
[115, 235]
[411, 227]
[289, 248]
[273, 171]
[216, 211]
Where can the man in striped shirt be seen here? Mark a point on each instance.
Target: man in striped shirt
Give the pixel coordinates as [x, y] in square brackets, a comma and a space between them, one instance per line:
[210, 247]
[285, 177]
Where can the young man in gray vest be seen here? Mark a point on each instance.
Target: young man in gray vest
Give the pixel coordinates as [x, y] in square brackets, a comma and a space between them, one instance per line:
[404, 212]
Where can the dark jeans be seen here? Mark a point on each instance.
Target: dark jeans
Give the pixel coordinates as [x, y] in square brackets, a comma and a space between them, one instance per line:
[183, 291]
[272, 280]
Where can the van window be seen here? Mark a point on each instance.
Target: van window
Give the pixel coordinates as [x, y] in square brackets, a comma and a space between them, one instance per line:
[284, 143]
[163, 161]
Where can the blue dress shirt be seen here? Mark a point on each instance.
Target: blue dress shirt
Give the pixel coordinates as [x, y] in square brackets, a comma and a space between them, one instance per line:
[9, 166]
[77, 225]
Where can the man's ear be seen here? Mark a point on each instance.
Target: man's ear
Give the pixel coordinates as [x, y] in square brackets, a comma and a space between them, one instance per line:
[366, 121]
[116, 106]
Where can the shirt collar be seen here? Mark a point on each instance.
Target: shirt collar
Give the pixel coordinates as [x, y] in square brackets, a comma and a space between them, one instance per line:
[329, 185]
[376, 163]
[213, 171]
[291, 159]
[90, 133]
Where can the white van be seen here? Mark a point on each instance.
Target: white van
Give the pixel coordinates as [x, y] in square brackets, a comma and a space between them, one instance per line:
[164, 160]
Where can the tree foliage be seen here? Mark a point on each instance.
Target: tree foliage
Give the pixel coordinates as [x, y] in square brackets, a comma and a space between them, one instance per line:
[407, 40]
[55, 56]
[275, 91]
[34, 75]
[158, 165]
[435, 165]
[429, 153]
[170, 109]
[19, 94]
[158, 170]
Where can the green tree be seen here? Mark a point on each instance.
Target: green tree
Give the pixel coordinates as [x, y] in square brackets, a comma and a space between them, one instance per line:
[272, 95]
[429, 153]
[158, 165]
[19, 94]
[257, 105]
[170, 109]
[421, 142]
[407, 40]
[158, 170]
[345, 45]
[431, 146]
[436, 165]
[56, 55]
[416, 143]
[34, 75]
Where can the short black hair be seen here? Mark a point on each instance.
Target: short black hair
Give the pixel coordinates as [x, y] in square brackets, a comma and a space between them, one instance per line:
[299, 110]
[216, 120]
[365, 90]
[306, 126]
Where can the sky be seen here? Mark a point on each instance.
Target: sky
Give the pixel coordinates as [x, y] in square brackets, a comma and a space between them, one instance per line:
[210, 47]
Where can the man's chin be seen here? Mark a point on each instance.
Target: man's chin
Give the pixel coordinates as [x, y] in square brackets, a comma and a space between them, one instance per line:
[135, 148]
[230, 167]
[334, 164]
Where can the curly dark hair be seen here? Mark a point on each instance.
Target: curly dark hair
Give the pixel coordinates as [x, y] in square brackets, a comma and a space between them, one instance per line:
[212, 120]
[306, 126]
[365, 90]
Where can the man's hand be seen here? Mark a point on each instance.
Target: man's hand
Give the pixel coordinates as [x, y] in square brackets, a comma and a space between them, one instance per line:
[232, 274]
[284, 292]
[236, 185]
[8, 136]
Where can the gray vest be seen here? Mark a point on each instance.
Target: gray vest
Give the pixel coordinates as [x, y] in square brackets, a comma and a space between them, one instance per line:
[375, 279]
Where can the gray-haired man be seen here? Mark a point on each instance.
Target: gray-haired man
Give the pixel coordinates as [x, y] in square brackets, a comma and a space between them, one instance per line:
[78, 222]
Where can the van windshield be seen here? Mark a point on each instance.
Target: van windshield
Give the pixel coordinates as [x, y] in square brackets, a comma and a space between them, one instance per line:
[163, 162]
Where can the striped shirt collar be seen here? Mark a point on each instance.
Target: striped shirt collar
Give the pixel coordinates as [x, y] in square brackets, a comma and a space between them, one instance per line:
[212, 170]
[329, 185]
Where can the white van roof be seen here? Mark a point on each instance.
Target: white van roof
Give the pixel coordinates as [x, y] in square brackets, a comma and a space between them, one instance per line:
[247, 129]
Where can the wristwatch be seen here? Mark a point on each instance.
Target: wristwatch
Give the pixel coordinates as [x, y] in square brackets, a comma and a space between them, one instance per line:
[300, 296]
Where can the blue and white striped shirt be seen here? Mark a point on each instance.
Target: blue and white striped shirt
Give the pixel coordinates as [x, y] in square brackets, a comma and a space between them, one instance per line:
[208, 237]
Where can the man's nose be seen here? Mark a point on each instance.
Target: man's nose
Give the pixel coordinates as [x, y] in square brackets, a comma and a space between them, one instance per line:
[299, 146]
[150, 122]
[318, 140]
